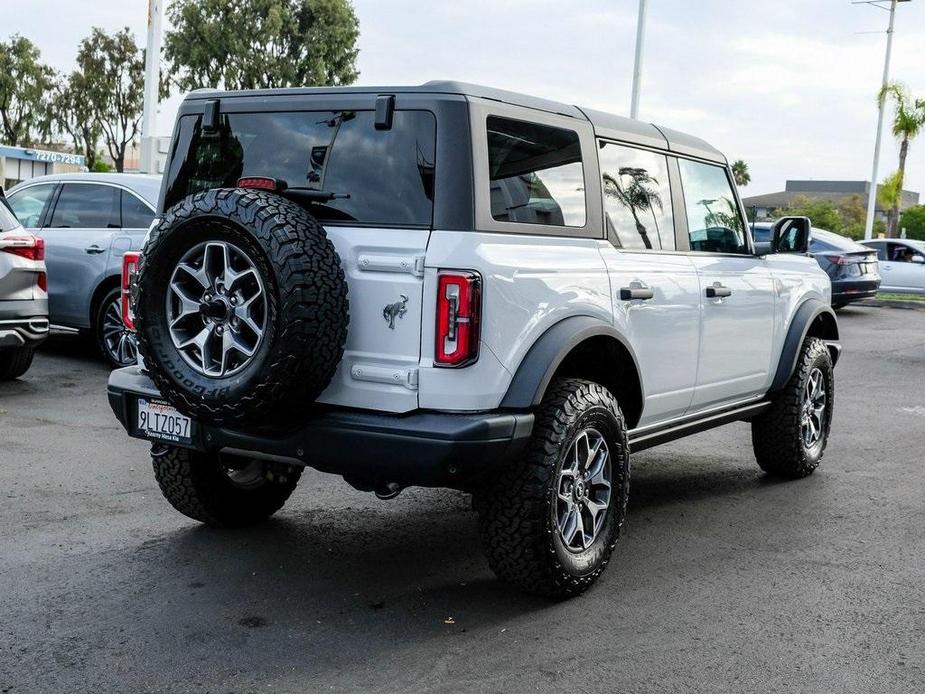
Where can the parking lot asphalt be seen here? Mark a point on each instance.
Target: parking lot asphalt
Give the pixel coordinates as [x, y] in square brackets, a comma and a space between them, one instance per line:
[724, 580]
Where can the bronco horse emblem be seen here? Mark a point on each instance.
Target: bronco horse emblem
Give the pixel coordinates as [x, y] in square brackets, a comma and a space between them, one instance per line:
[396, 310]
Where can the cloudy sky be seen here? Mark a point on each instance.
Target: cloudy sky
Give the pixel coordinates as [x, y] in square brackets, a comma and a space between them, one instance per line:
[787, 85]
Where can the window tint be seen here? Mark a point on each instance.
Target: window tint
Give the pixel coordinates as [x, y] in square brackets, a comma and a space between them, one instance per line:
[28, 203]
[8, 220]
[135, 214]
[817, 246]
[535, 173]
[881, 250]
[637, 198]
[713, 218]
[384, 176]
[761, 234]
[86, 206]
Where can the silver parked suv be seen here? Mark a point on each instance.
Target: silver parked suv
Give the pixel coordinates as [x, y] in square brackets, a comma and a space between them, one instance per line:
[87, 222]
[23, 297]
[452, 285]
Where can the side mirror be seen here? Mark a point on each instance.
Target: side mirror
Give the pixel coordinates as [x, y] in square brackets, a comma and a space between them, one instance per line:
[918, 259]
[791, 235]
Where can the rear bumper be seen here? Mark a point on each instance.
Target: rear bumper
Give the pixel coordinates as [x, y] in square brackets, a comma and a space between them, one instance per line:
[846, 291]
[23, 323]
[421, 448]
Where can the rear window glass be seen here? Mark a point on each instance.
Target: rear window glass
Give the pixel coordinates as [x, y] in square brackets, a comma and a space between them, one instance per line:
[7, 220]
[380, 176]
[535, 173]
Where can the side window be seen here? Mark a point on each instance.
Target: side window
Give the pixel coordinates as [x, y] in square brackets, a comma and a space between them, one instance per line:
[535, 173]
[86, 206]
[713, 219]
[29, 203]
[880, 248]
[135, 214]
[637, 198]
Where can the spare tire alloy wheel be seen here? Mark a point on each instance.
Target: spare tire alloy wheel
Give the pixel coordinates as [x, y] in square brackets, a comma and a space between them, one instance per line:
[216, 308]
[241, 307]
[116, 342]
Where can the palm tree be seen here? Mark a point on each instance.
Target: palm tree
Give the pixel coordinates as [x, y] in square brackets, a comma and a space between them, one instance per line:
[640, 194]
[907, 123]
[889, 195]
[740, 173]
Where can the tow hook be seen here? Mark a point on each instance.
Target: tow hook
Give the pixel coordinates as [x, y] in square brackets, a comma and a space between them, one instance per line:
[389, 490]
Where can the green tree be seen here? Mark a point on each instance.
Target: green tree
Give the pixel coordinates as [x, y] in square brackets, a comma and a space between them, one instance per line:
[889, 195]
[908, 120]
[913, 221]
[261, 43]
[25, 88]
[740, 173]
[823, 213]
[853, 216]
[113, 84]
[76, 116]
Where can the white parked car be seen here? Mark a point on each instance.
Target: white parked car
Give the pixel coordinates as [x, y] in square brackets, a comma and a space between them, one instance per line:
[902, 264]
[452, 285]
[23, 295]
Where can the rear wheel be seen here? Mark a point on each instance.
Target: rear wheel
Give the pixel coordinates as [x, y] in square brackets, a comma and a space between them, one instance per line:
[15, 362]
[790, 438]
[222, 490]
[549, 524]
[116, 342]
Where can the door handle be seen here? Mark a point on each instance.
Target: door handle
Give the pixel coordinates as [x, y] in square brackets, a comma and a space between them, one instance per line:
[718, 291]
[94, 249]
[630, 293]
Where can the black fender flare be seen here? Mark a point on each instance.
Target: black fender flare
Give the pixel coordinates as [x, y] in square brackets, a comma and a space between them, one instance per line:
[538, 366]
[803, 318]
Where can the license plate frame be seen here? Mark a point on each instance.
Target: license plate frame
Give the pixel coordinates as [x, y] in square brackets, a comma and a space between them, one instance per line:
[158, 420]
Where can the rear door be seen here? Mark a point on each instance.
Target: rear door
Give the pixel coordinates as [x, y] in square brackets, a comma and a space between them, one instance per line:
[664, 321]
[78, 236]
[379, 221]
[737, 290]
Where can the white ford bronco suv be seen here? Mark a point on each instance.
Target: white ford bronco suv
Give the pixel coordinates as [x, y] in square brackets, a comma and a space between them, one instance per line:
[451, 285]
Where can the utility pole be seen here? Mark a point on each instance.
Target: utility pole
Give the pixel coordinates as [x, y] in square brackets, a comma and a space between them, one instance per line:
[152, 87]
[637, 66]
[872, 193]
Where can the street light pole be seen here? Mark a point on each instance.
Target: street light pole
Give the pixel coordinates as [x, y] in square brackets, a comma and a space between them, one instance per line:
[152, 87]
[872, 193]
[637, 67]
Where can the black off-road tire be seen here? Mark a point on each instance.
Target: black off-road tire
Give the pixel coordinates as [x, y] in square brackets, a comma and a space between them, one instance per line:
[198, 486]
[776, 434]
[14, 362]
[307, 308]
[517, 513]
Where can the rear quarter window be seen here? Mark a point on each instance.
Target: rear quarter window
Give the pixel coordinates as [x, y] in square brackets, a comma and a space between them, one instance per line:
[386, 176]
[8, 220]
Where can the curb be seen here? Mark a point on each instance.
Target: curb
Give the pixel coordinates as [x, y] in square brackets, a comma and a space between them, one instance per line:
[893, 303]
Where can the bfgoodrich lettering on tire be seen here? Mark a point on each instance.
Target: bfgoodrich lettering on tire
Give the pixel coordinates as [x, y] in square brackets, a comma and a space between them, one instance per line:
[242, 307]
[790, 438]
[549, 524]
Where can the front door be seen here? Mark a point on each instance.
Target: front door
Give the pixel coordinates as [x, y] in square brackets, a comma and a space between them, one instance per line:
[900, 271]
[656, 291]
[736, 290]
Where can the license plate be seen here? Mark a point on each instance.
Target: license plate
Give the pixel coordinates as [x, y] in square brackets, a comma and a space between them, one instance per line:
[159, 420]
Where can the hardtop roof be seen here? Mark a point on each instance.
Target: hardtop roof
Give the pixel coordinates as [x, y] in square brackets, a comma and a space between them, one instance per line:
[606, 125]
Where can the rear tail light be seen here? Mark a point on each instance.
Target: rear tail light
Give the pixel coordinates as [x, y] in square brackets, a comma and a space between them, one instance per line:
[129, 272]
[459, 308]
[24, 245]
[262, 183]
[841, 260]
[43, 282]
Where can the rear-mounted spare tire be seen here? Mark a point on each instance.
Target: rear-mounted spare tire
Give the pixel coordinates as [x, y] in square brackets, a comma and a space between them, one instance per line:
[241, 307]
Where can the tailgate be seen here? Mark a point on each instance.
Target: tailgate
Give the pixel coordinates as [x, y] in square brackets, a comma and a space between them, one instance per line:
[385, 280]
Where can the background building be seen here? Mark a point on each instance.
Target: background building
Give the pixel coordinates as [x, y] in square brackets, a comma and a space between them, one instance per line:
[833, 191]
[22, 163]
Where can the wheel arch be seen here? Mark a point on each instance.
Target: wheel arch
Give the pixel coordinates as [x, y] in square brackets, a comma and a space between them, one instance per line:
[579, 347]
[813, 318]
[106, 285]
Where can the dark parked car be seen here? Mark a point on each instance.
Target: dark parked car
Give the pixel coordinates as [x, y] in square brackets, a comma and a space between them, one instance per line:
[87, 222]
[851, 267]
